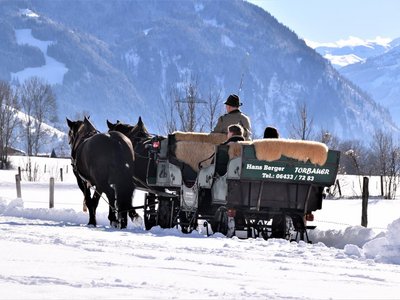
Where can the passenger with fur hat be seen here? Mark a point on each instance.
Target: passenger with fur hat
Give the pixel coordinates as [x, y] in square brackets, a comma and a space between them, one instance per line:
[233, 116]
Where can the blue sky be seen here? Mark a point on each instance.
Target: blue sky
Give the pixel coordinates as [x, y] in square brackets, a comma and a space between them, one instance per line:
[332, 20]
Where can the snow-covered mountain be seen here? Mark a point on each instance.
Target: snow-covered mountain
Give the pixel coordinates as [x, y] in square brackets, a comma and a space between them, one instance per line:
[373, 65]
[121, 59]
[352, 50]
[380, 77]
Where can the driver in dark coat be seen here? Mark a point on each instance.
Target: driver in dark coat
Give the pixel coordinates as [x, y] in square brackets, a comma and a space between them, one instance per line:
[233, 116]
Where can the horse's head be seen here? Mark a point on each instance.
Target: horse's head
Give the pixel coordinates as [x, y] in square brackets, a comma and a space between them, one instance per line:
[120, 127]
[140, 131]
[136, 133]
[79, 131]
[74, 127]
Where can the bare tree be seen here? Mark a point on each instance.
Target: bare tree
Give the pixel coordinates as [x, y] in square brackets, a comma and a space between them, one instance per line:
[186, 108]
[381, 145]
[170, 115]
[184, 111]
[301, 126]
[387, 157]
[394, 172]
[8, 120]
[213, 108]
[353, 159]
[328, 139]
[39, 105]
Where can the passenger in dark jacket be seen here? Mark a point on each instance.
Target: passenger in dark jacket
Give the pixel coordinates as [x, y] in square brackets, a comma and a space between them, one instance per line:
[235, 134]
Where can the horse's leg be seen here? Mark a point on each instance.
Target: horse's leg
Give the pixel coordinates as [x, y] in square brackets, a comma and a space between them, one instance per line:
[86, 197]
[124, 193]
[109, 191]
[122, 220]
[92, 203]
[83, 188]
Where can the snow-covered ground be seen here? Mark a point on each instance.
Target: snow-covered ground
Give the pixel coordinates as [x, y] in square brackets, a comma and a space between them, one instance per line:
[51, 253]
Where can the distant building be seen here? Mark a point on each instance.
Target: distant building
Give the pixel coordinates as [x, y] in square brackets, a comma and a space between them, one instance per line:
[16, 152]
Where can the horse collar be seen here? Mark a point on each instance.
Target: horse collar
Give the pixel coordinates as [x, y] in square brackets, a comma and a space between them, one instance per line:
[80, 139]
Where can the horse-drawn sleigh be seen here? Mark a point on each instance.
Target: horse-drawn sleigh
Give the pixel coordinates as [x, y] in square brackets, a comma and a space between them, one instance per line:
[266, 188]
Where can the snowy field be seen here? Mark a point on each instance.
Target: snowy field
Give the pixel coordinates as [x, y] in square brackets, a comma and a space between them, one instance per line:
[51, 253]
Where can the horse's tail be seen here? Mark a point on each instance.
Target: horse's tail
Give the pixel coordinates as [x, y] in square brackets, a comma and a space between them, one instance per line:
[123, 172]
[124, 193]
[126, 153]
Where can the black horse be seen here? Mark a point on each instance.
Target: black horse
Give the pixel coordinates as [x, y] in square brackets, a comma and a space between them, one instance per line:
[106, 162]
[145, 167]
[141, 140]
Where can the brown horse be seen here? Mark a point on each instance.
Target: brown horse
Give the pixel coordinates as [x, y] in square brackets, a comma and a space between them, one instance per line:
[106, 162]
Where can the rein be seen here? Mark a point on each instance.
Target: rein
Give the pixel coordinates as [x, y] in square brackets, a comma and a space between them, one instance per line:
[113, 209]
[159, 193]
[79, 140]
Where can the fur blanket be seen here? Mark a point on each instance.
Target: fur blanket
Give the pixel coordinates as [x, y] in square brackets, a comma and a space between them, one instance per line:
[192, 153]
[273, 149]
[191, 149]
[201, 137]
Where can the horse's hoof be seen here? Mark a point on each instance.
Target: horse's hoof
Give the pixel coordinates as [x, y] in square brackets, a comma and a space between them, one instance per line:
[114, 224]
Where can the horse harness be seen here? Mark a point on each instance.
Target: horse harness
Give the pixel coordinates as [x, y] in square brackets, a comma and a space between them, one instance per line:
[75, 146]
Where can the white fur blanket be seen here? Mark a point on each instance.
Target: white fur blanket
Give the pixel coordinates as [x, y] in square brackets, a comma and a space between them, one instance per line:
[273, 149]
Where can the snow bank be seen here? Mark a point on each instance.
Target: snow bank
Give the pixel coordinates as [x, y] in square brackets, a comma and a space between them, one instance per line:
[363, 243]
[15, 208]
[385, 249]
[356, 235]
[358, 242]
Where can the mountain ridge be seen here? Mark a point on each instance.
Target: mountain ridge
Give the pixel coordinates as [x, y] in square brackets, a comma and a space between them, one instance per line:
[379, 76]
[124, 58]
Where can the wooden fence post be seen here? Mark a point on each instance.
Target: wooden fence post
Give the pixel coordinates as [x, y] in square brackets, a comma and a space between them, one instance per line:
[61, 174]
[18, 185]
[51, 199]
[339, 189]
[365, 194]
[19, 172]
